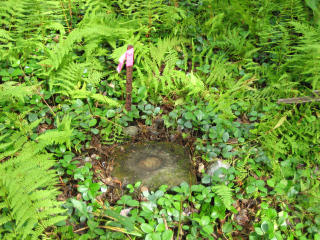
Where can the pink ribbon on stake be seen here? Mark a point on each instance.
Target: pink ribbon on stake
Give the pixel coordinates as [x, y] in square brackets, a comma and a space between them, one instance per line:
[128, 55]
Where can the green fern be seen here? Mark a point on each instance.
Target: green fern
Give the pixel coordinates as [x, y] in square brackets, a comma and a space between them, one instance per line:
[11, 91]
[158, 70]
[25, 24]
[83, 93]
[97, 30]
[192, 85]
[303, 63]
[152, 15]
[224, 193]
[28, 202]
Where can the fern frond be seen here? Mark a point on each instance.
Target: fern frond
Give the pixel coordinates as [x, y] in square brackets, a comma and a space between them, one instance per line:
[220, 72]
[83, 93]
[26, 22]
[224, 193]
[30, 201]
[62, 135]
[5, 35]
[27, 202]
[158, 71]
[12, 91]
[89, 34]
[304, 61]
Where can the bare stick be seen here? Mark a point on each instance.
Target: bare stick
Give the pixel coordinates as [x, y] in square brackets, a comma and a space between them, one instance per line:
[65, 16]
[70, 12]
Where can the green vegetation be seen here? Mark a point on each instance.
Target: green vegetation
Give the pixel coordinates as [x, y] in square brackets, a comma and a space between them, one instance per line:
[211, 70]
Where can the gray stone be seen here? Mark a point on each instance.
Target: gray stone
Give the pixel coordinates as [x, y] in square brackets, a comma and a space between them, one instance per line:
[153, 163]
[131, 131]
[216, 167]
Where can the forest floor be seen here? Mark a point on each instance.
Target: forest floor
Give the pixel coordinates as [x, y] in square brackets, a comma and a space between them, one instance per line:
[207, 76]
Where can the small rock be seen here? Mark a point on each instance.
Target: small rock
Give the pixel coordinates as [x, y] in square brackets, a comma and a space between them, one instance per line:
[79, 196]
[144, 193]
[200, 168]
[56, 38]
[131, 131]
[242, 217]
[172, 138]
[216, 166]
[144, 189]
[159, 123]
[154, 133]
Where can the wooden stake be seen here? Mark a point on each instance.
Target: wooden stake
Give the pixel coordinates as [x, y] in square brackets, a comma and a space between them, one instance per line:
[129, 84]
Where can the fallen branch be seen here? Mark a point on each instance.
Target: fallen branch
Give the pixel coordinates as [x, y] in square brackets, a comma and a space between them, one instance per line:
[315, 98]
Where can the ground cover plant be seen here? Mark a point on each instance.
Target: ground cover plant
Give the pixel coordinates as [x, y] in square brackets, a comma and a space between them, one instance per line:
[207, 75]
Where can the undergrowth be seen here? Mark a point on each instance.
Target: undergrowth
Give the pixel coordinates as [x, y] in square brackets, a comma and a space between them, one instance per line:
[212, 71]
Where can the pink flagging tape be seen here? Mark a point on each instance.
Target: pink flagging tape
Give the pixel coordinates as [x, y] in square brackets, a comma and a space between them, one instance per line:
[128, 55]
[121, 62]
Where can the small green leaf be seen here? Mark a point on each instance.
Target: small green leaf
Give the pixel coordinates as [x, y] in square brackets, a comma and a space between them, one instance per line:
[199, 114]
[82, 189]
[155, 236]
[259, 231]
[197, 188]
[146, 228]
[206, 179]
[227, 228]
[265, 227]
[94, 131]
[111, 113]
[167, 235]
[78, 103]
[32, 117]
[179, 101]
[148, 107]
[137, 184]
[92, 122]
[214, 214]
[271, 182]
[205, 220]
[133, 203]
[62, 148]
[173, 115]
[161, 227]
[188, 124]
[188, 115]
[208, 229]
[99, 231]
[156, 111]
[250, 189]
[92, 224]
[81, 206]
[225, 136]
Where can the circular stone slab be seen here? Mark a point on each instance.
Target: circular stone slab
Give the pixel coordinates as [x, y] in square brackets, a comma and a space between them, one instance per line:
[153, 163]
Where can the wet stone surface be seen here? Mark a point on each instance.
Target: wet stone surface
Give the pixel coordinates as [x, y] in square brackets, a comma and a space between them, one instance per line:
[153, 163]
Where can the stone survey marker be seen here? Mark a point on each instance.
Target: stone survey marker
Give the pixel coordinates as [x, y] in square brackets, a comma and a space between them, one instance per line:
[153, 163]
